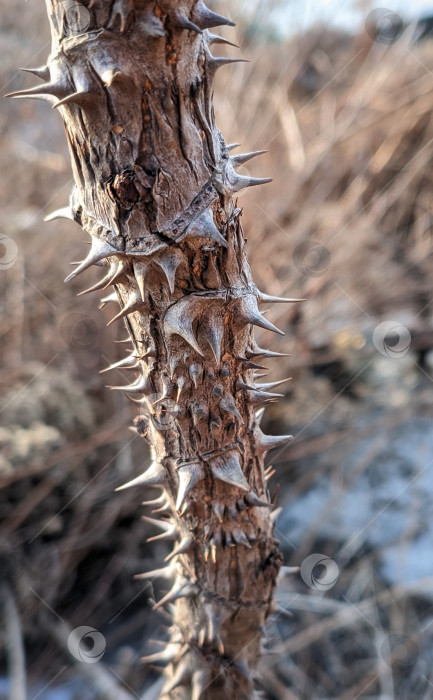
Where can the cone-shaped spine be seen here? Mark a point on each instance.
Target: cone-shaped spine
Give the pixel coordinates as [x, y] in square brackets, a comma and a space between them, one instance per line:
[63, 213]
[216, 62]
[245, 157]
[227, 467]
[214, 333]
[260, 352]
[252, 499]
[270, 442]
[195, 372]
[247, 364]
[169, 529]
[42, 72]
[166, 572]
[268, 386]
[206, 19]
[141, 386]
[249, 312]
[182, 21]
[133, 303]
[260, 398]
[277, 300]
[109, 299]
[181, 383]
[153, 476]
[141, 269]
[227, 404]
[179, 590]
[179, 319]
[169, 260]
[81, 98]
[242, 181]
[218, 509]
[189, 476]
[164, 656]
[161, 500]
[129, 362]
[203, 226]
[99, 251]
[216, 39]
[116, 272]
[239, 536]
[275, 514]
[184, 546]
[50, 92]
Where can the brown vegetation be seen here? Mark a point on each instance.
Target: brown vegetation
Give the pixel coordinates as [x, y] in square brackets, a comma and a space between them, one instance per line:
[348, 127]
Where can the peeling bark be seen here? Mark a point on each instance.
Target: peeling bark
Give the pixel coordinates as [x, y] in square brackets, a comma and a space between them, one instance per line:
[154, 188]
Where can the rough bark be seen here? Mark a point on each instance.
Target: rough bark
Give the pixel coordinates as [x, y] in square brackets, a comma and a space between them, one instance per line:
[154, 190]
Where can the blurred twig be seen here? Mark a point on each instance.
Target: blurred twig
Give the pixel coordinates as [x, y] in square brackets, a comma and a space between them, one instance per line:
[14, 645]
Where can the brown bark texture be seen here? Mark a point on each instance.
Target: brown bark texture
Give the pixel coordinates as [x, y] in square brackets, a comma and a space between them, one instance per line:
[155, 189]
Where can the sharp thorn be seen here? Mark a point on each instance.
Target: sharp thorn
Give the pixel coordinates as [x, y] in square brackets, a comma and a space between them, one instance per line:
[249, 312]
[132, 304]
[259, 352]
[226, 467]
[183, 546]
[125, 363]
[252, 499]
[268, 386]
[189, 476]
[183, 21]
[179, 319]
[140, 268]
[206, 19]
[42, 72]
[81, 98]
[245, 157]
[270, 442]
[153, 476]
[216, 39]
[203, 226]
[218, 509]
[179, 590]
[228, 405]
[165, 572]
[99, 250]
[64, 213]
[240, 537]
[50, 92]
[277, 300]
[140, 386]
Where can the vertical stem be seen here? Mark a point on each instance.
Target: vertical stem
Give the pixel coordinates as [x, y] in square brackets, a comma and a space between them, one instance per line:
[154, 188]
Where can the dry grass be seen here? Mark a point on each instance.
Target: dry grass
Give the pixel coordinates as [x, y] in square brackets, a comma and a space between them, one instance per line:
[347, 224]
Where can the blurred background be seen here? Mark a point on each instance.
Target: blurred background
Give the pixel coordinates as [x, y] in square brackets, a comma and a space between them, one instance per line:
[341, 97]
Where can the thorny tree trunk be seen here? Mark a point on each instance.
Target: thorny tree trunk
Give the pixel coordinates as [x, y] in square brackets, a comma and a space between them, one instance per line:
[132, 80]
